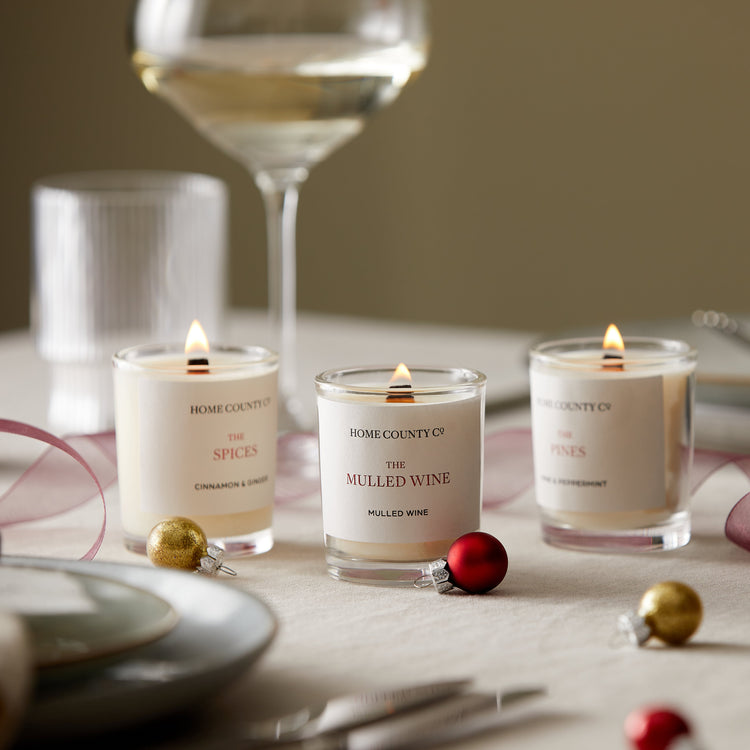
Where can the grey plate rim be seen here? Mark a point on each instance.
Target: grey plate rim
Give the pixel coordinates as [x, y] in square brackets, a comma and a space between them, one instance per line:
[109, 645]
[222, 630]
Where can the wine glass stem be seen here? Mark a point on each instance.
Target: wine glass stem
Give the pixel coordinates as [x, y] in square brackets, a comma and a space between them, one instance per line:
[280, 195]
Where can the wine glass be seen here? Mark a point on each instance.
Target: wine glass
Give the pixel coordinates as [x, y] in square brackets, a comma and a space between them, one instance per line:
[278, 85]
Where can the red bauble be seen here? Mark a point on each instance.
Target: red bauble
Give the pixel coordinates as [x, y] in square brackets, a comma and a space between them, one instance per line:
[477, 562]
[654, 728]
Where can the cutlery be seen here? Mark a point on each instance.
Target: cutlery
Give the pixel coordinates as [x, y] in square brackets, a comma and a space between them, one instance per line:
[722, 323]
[347, 711]
[451, 718]
[448, 721]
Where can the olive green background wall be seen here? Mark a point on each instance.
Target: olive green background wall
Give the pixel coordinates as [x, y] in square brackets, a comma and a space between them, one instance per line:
[559, 163]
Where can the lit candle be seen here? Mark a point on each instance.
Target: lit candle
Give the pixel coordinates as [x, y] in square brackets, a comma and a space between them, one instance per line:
[401, 467]
[613, 441]
[202, 447]
[400, 386]
[613, 346]
[196, 349]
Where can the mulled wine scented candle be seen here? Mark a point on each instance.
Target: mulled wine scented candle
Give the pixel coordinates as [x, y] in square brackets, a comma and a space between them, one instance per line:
[196, 437]
[400, 467]
[613, 441]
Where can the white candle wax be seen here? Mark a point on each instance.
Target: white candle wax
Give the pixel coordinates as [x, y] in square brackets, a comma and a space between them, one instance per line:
[400, 480]
[197, 442]
[612, 438]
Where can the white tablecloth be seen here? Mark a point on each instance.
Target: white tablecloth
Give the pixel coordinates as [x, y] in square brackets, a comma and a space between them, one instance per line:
[551, 622]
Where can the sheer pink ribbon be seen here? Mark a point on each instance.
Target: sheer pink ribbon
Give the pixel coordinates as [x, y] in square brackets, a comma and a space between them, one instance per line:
[52, 485]
[706, 463]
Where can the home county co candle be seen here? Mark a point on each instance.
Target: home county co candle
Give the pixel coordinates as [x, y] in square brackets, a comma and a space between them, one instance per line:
[401, 467]
[613, 441]
[196, 437]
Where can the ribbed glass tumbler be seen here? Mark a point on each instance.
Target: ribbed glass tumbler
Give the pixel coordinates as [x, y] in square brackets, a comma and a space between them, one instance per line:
[120, 258]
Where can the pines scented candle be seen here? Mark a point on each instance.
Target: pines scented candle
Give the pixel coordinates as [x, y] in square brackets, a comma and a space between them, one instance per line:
[196, 437]
[612, 432]
[400, 467]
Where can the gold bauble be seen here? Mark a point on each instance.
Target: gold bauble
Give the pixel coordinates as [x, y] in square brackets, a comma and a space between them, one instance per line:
[176, 543]
[672, 611]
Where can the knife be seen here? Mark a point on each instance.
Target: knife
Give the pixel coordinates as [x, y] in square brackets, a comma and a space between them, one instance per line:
[447, 719]
[450, 720]
[343, 712]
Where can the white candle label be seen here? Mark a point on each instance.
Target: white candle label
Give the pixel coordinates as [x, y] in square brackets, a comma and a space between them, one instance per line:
[207, 447]
[400, 473]
[598, 443]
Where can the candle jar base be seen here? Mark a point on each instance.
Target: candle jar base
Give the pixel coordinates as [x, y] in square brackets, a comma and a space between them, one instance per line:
[375, 572]
[359, 563]
[245, 545]
[669, 534]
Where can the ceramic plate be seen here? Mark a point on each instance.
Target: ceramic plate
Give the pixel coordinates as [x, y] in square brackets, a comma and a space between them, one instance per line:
[220, 632]
[120, 618]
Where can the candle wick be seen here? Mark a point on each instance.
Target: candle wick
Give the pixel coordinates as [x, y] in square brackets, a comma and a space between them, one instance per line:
[197, 365]
[613, 354]
[400, 392]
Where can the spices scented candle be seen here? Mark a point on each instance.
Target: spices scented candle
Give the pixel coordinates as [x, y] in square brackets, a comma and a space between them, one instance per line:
[196, 437]
[613, 441]
[400, 467]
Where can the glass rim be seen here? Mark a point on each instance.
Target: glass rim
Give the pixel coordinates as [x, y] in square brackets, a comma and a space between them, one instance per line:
[334, 380]
[660, 351]
[250, 356]
[104, 184]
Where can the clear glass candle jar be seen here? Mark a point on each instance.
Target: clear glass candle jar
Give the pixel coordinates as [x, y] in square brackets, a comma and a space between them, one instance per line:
[400, 467]
[613, 442]
[197, 440]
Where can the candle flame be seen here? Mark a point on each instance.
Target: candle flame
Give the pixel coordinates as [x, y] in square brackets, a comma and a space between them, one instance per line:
[196, 340]
[401, 373]
[613, 339]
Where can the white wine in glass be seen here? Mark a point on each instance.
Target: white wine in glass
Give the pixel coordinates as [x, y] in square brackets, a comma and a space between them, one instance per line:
[278, 85]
